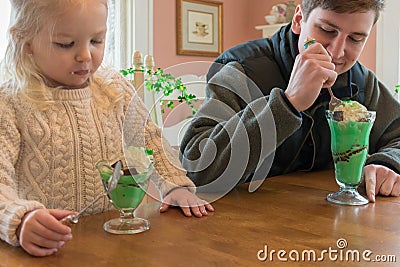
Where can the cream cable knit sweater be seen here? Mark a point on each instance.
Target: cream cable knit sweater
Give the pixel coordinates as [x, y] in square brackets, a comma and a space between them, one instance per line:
[47, 158]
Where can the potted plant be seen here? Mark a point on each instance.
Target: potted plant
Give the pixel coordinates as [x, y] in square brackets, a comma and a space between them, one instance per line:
[158, 81]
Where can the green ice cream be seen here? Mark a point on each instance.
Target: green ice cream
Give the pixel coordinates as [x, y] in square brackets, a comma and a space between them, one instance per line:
[130, 189]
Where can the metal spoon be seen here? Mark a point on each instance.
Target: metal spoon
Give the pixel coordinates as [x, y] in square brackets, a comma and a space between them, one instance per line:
[112, 184]
[334, 101]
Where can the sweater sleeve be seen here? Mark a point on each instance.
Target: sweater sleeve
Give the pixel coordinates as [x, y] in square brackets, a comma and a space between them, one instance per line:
[235, 133]
[12, 208]
[385, 133]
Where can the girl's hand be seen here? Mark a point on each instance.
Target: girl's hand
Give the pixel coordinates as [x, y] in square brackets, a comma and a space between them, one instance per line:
[41, 233]
[187, 201]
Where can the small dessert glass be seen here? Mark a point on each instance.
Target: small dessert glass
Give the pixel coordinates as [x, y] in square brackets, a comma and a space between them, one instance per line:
[126, 197]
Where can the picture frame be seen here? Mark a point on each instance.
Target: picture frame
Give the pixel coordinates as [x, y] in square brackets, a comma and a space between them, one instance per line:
[199, 27]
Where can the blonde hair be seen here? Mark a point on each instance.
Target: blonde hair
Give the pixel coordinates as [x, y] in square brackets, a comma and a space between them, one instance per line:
[30, 17]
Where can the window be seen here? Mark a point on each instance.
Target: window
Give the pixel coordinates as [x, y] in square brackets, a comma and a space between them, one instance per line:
[110, 50]
[388, 45]
[130, 26]
[5, 14]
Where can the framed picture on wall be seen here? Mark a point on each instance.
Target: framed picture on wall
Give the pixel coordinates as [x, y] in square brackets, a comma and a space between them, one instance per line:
[199, 27]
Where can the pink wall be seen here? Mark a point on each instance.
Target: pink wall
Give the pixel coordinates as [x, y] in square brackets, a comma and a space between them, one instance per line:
[239, 19]
[235, 30]
[368, 56]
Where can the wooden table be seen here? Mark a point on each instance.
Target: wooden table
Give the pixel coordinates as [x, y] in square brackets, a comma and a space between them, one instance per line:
[288, 213]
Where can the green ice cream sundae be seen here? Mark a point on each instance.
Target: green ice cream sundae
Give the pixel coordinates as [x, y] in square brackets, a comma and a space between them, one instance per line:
[350, 125]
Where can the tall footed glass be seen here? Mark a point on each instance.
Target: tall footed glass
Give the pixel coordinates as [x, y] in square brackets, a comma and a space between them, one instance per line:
[127, 195]
[349, 145]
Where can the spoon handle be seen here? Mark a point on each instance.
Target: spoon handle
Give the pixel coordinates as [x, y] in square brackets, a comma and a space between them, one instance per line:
[73, 218]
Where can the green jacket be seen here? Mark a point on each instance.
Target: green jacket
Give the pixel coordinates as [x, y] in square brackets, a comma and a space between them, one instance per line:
[246, 128]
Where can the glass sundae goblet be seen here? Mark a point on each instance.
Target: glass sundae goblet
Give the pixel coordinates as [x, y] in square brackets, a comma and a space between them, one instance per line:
[349, 145]
[126, 197]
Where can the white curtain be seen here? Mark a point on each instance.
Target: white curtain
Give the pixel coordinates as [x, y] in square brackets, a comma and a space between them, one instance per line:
[388, 45]
[130, 28]
[109, 55]
[5, 15]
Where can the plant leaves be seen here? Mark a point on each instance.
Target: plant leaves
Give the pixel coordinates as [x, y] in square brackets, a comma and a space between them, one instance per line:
[166, 83]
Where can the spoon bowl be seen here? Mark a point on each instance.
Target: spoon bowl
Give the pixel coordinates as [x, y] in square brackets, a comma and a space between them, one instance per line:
[334, 102]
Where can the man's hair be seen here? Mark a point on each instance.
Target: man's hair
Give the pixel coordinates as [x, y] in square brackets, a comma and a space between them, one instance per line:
[343, 6]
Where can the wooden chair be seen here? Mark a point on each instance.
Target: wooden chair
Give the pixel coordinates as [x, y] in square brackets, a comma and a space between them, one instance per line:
[173, 123]
[149, 98]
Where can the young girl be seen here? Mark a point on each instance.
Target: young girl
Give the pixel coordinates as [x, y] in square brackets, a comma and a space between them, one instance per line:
[59, 116]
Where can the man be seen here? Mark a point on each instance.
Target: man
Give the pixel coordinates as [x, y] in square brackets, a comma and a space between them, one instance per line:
[275, 115]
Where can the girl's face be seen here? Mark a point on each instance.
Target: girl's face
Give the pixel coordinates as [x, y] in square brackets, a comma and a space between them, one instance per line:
[68, 54]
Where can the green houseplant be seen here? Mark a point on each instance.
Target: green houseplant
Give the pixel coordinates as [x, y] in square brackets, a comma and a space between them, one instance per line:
[158, 81]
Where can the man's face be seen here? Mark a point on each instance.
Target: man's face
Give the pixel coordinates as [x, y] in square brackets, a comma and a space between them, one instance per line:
[72, 51]
[342, 34]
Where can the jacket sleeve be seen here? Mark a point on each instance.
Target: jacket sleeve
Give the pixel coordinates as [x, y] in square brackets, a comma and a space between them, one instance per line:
[385, 133]
[234, 135]
[12, 208]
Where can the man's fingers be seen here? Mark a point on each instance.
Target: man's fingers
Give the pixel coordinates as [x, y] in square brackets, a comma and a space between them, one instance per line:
[315, 51]
[396, 190]
[330, 80]
[370, 184]
[388, 184]
[316, 48]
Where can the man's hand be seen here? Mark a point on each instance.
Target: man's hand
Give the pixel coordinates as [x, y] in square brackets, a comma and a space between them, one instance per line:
[313, 69]
[381, 180]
